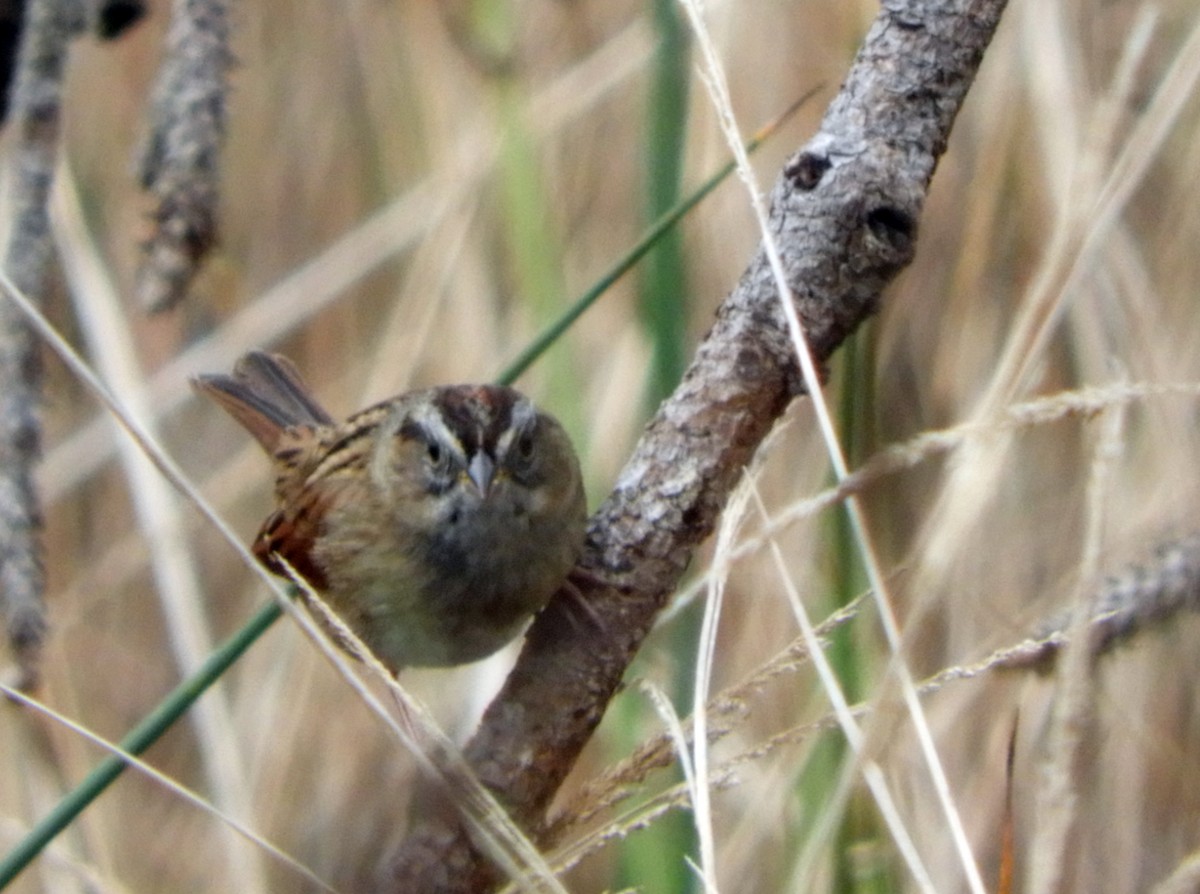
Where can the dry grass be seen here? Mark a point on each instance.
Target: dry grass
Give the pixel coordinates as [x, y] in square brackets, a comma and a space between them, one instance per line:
[369, 231]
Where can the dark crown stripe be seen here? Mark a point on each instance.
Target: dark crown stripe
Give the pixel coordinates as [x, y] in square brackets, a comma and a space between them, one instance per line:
[477, 416]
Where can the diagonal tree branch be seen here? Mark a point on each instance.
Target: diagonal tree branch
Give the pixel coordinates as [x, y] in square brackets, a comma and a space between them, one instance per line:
[844, 211]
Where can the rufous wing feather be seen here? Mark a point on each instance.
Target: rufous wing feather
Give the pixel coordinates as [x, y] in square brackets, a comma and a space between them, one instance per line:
[290, 534]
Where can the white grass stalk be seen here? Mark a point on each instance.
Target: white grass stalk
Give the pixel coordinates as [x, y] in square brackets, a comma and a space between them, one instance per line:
[872, 775]
[715, 81]
[696, 786]
[1184, 880]
[1057, 798]
[1082, 228]
[705, 658]
[701, 796]
[110, 343]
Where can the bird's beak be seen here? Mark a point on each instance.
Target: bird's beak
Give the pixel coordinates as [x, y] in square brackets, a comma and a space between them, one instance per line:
[481, 470]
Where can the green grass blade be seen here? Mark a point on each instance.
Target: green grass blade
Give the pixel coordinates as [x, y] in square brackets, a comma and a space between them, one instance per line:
[662, 289]
[551, 333]
[655, 860]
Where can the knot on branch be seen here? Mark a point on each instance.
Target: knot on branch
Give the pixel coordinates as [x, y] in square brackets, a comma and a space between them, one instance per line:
[845, 211]
[806, 169]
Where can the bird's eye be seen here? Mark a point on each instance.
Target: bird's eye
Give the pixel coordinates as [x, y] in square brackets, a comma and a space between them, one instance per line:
[525, 446]
[434, 451]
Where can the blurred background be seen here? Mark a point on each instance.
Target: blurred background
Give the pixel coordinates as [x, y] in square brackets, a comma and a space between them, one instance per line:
[410, 192]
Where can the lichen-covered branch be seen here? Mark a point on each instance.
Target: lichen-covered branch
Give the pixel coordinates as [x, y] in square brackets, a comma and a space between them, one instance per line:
[845, 212]
[36, 99]
[180, 162]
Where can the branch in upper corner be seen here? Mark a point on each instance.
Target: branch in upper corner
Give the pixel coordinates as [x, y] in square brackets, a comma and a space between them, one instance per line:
[12, 20]
[108, 19]
[112, 18]
[845, 212]
[180, 163]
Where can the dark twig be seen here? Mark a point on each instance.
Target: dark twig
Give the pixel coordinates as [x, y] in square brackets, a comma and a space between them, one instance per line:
[180, 161]
[109, 19]
[49, 26]
[12, 20]
[845, 212]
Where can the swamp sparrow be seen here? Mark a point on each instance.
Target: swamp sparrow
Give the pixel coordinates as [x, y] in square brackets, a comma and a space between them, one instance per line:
[434, 523]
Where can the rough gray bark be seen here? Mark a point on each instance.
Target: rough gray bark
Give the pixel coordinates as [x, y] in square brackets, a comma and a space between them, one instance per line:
[180, 164]
[37, 94]
[43, 30]
[844, 211]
